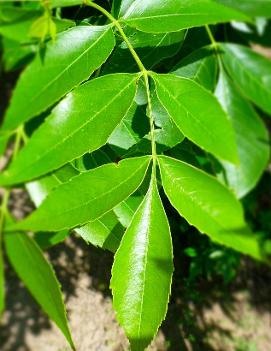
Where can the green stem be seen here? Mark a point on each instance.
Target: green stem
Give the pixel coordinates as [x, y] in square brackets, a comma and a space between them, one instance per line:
[214, 44]
[142, 69]
[210, 35]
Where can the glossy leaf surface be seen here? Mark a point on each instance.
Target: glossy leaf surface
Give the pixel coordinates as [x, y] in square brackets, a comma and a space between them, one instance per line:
[64, 64]
[208, 205]
[251, 73]
[78, 201]
[257, 8]
[201, 66]
[38, 276]
[151, 48]
[105, 232]
[142, 272]
[158, 16]
[197, 114]
[251, 135]
[82, 113]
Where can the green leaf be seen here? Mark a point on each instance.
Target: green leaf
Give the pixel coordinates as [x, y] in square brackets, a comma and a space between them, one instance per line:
[68, 61]
[171, 16]
[47, 240]
[65, 3]
[82, 113]
[16, 23]
[251, 135]
[126, 209]
[87, 196]
[142, 272]
[197, 114]
[208, 205]
[167, 134]
[39, 189]
[16, 55]
[2, 280]
[39, 278]
[131, 129]
[105, 232]
[256, 8]
[151, 48]
[201, 66]
[251, 73]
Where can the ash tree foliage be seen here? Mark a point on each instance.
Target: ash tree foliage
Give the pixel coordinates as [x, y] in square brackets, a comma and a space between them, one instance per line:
[118, 107]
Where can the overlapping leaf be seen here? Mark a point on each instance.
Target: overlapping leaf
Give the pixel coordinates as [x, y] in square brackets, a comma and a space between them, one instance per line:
[160, 16]
[251, 135]
[208, 205]
[197, 114]
[81, 123]
[64, 64]
[142, 271]
[151, 48]
[251, 72]
[257, 8]
[200, 65]
[87, 196]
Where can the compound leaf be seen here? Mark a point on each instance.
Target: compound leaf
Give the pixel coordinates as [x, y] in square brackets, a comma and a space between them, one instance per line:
[87, 196]
[68, 61]
[208, 205]
[142, 272]
[94, 109]
[198, 115]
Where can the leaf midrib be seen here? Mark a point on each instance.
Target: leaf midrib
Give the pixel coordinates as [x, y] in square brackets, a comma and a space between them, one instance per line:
[64, 71]
[84, 204]
[55, 146]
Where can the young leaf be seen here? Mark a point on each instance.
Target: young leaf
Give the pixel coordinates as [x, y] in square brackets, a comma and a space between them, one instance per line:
[87, 196]
[39, 278]
[201, 66]
[251, 135]
[68, 61]
[94, 109]
[197, 114]
[159, 16]
[16, 23]
[251, 73]
[208, 205]
[142, 272]
[105, 232]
